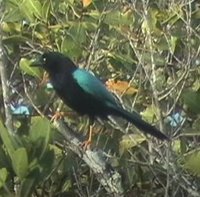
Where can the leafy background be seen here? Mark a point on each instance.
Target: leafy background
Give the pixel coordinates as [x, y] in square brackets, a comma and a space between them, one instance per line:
[146, 52]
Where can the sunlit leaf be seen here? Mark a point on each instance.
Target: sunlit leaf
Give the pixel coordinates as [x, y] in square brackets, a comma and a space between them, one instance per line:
[86, 3]
[25, 66]
[149, 24]
[10, 27]
[176, 146]
[196, 85]
[150, 114]
[129, 141]
[30, 8]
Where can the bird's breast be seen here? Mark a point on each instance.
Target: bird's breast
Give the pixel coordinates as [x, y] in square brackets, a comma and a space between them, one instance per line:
[76, 98]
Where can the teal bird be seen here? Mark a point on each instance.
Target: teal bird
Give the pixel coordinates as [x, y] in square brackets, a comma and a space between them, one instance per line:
[86, 94]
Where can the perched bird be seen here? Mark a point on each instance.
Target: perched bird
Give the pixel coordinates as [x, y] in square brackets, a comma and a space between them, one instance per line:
[86, 94]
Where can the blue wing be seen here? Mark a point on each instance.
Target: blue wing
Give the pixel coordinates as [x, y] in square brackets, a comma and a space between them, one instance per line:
[93, 86]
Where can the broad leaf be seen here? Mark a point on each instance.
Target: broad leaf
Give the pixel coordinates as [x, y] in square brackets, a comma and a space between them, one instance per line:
[25, 66]
[20, 162]
[130, 141]
[3, 176]
[8, 140]
[40, 133]
[192, 162]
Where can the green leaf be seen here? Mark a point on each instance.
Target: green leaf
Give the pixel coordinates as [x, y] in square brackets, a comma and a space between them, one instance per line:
[149, 24]
[20, 162]
[14, 15]
[160, 82]
[78, 33]
[15, 39]
[121, 58]
[129, 141]
[10, 27]
[167, 44]
[41, 97]
[25, 66]
[117, 18]
[46, 163]
[70, 47]
[3, 176]
[89, 25]
[8, 140]
[67, 185]
[192, 162]
[46, 10]
[30, 9]
[40, 133]
[150, 114]
[192, 100]
[192, 131]
[176, 146]
[158, 60]
[29, 183]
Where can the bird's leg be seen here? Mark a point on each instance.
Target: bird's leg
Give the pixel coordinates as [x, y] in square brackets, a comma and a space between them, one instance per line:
[58, 114]
[45, 79]
[86, 144]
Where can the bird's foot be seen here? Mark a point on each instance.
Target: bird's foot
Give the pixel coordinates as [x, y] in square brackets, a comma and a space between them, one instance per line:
[86, 145]
[45, 79]
[57, 116]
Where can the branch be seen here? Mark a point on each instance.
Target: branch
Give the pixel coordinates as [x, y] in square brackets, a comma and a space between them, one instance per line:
[5, 88]
[109, 178]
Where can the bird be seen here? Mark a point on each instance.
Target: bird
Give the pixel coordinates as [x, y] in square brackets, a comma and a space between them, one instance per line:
[86, 94]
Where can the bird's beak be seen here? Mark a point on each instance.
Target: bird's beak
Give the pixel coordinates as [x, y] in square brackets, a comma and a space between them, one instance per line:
[36, 63]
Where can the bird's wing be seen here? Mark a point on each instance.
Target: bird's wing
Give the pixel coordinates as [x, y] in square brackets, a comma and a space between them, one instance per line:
[93, 86]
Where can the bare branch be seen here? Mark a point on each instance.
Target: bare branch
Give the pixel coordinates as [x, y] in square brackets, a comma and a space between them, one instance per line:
[4, 83]
[109, 178]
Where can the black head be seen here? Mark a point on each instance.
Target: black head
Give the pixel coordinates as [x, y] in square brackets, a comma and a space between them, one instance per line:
[54, 62]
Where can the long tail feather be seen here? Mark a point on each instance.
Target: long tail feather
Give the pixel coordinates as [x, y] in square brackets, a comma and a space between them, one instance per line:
[140, 124]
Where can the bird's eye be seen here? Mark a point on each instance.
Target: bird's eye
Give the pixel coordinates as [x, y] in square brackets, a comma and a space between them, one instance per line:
[44, 59]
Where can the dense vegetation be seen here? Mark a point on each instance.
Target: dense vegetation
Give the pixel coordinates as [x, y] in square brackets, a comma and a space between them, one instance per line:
[148, 55]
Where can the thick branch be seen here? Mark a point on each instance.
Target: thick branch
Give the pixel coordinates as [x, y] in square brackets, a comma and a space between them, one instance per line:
[5, 88]
[109, 178]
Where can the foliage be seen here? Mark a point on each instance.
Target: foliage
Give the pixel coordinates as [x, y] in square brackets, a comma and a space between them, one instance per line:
[146, 52]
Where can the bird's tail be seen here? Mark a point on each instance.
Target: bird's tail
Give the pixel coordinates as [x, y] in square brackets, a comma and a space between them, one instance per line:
[140, 124]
